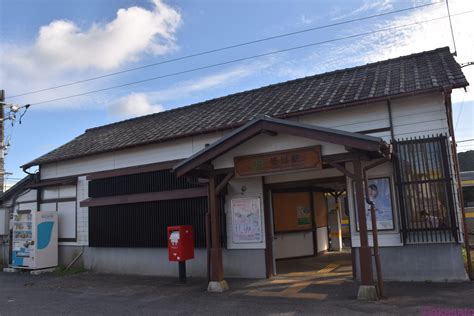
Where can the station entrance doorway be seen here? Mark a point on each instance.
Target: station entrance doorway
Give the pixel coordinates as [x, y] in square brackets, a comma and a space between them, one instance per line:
[311, 232]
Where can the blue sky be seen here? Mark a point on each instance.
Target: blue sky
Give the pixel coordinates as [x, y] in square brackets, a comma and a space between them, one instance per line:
[49, 42]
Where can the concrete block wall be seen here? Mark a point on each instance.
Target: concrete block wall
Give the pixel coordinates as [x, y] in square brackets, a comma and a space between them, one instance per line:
[248, 263]
[422, 262]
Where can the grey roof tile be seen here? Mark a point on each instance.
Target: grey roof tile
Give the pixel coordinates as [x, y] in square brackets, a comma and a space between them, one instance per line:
[407, 74]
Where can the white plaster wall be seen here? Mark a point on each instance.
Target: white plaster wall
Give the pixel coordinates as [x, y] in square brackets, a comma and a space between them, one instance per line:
[244, 188]
[353, 119]
[265, 143]
[26, 197]
[417, 116]
[412, 116]
[171, 150]
[322, 238]
[290, 245]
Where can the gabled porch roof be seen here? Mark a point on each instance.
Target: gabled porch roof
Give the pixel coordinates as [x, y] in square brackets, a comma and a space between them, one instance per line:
[267, 124]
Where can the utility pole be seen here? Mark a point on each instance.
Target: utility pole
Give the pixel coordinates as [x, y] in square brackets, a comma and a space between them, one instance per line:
[2, 141]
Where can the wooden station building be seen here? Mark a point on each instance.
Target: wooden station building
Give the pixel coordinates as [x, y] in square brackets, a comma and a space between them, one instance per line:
[253, 173]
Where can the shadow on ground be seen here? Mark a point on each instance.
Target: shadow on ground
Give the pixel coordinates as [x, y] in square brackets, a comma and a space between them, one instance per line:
[307, 293]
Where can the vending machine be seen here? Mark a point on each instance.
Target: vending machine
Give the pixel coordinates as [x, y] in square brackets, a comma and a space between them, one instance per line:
[35, 240]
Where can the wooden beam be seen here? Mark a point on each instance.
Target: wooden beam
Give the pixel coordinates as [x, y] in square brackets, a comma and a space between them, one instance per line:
[52, 182]
[304, 183]
[365, 256]
[269, 133]
[224, 182]
[145, 197]
[215, 252]
[351, 140]
[342, 169]
[375, 130]
[133, 170]
[321, 135]
[219, 149]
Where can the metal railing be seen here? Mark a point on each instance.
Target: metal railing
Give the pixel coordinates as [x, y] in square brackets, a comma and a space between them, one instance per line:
[425, 190]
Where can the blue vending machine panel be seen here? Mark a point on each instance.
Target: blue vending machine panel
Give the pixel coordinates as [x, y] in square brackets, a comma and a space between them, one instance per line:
[35, 244]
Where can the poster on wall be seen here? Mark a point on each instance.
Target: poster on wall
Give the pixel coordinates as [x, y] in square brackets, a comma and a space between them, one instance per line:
[246, 220]
[303, 215]
[380, 193]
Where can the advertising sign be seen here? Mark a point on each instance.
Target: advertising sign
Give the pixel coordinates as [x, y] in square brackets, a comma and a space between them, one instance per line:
[381, 194]
[246, 220]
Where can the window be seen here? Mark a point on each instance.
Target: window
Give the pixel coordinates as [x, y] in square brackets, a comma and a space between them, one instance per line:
[425, 190]
[62, 200]
[468, 194]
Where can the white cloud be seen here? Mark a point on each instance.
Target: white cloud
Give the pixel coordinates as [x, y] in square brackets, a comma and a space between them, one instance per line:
[424, 37]
[62, 45]
[137, 104]
[63, 52]
[367, 5]
[396, 42]
[306, 20]
[134, 104]
[216, 80]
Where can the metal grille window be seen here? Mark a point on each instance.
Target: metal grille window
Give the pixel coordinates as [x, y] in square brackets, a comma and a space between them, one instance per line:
[425, 188]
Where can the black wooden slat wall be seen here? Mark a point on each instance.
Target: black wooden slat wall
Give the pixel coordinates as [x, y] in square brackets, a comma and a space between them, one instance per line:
[145, 224]
[154, 181]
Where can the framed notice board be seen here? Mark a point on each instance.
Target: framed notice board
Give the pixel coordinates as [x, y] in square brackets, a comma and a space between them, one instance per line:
[292, 211]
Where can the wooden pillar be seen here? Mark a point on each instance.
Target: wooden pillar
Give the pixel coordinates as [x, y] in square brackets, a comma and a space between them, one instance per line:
[217, 282]
[365, 258]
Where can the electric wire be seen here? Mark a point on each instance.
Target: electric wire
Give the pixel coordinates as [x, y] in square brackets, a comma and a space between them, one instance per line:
[223, 48]
[247, 58]
[459, 115]
[465, 140]
[451, 26]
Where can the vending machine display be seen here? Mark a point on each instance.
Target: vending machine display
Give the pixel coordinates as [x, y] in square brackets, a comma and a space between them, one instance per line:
[35, 240]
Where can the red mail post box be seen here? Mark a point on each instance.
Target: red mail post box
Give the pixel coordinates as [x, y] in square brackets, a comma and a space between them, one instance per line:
[180, 243]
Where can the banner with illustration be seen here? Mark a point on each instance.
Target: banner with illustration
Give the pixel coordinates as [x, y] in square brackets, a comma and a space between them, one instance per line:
[246, 220]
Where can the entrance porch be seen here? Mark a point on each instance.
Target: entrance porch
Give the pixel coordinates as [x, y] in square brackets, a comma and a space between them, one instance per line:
[270, 151]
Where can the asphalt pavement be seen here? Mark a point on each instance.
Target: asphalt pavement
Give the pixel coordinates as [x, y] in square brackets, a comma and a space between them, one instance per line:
[101, 294]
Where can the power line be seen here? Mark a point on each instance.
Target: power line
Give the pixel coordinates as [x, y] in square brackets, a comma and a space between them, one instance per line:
[451, 26]
[460, 111]
[222, 49]
[465, 140]
[247, 58]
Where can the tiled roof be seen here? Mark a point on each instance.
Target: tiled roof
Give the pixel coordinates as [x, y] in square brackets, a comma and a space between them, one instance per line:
[415, 73]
